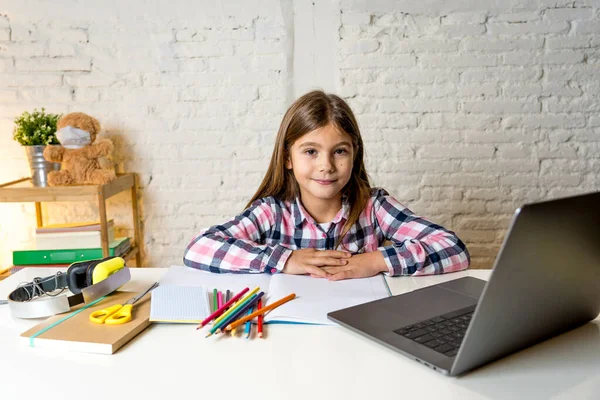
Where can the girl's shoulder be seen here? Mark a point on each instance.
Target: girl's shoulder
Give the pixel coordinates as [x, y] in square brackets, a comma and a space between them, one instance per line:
[378, 193]
[273, 203]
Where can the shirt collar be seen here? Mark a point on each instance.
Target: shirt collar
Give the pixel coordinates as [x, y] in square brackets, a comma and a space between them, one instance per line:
[299, 214]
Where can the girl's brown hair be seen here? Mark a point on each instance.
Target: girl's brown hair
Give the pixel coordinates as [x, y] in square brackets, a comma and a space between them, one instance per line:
[315, 110]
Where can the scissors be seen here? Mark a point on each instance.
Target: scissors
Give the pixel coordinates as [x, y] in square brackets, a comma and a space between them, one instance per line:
[119, 313]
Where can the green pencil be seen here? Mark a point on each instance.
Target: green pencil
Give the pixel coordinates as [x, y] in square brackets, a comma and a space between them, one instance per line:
[214, 300]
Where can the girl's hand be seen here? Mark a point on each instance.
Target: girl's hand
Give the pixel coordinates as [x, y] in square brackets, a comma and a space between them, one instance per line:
[359, 266]
[311, 261]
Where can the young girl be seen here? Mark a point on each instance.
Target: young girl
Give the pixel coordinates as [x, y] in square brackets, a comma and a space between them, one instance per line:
[316, 213]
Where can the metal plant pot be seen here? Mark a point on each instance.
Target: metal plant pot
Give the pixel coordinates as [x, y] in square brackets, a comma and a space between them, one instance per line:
[39, 166]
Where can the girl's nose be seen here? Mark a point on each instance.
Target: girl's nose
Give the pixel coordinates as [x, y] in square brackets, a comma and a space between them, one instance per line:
[326, 164]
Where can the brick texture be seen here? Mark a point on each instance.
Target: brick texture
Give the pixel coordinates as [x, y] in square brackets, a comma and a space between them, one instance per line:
[467, 109]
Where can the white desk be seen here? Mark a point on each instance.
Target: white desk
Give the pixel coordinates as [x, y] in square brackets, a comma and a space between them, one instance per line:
[301, 362]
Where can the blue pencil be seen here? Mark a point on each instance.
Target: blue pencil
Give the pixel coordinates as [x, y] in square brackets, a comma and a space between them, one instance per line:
[237, 314]
[248, 327]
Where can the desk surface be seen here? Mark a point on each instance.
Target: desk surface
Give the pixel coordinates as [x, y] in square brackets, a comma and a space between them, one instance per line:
[301, 362]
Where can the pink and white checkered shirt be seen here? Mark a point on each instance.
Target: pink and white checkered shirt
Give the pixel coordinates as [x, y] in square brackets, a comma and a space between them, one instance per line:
[262, 238]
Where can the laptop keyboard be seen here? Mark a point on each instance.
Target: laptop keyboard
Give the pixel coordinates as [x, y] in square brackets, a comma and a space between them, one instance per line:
[443, 333]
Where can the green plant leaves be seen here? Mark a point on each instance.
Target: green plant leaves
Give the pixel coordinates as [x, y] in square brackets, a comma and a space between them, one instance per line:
[36, 128]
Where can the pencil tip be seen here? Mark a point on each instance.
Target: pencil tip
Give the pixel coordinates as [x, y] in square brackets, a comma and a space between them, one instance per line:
[210, 334]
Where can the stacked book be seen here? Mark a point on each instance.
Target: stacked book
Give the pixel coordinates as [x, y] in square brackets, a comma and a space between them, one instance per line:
[63, 244]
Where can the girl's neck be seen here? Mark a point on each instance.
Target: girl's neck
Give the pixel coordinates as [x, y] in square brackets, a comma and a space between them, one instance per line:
[322, 210]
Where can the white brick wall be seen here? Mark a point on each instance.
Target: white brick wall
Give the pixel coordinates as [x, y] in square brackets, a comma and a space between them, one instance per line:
[468, 109]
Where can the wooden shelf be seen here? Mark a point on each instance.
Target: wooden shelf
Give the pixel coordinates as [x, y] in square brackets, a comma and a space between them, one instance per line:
[22, 191]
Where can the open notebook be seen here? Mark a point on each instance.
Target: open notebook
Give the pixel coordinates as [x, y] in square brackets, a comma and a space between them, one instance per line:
[183, 295]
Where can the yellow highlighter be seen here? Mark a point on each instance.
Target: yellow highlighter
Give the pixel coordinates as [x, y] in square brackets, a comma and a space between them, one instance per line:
[119, 313]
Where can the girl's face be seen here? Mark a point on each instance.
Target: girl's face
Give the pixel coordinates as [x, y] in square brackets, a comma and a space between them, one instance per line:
[321, 161]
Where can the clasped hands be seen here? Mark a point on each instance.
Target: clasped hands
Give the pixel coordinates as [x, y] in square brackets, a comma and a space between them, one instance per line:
[334, 265]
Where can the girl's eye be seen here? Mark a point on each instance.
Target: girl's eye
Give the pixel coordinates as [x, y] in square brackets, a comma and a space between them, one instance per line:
[341, 151]
[310, 152]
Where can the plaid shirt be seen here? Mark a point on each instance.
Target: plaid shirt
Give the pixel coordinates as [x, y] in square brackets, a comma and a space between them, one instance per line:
[262, 238]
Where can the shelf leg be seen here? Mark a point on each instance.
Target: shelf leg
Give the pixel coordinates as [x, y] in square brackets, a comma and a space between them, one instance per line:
[103, 222]
[38, 214]
[136, 223]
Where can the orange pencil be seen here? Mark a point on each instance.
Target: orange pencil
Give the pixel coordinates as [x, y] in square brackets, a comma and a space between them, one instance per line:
[260, 320]
[263, 310]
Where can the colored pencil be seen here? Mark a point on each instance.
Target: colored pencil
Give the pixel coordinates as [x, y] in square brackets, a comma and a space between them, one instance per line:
[261, 311]
[259, 328]
[222, 309]
[248, 327]
[237, 314]
[228, 295]
[214, 308]
[235, 306]
[219, 299]
[239, 311]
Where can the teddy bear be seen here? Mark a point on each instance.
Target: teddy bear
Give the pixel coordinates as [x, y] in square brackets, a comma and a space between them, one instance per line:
[81, 159]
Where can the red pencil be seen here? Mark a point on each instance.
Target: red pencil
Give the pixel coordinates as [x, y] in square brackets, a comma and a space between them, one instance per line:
[260, 320]
[222, 308]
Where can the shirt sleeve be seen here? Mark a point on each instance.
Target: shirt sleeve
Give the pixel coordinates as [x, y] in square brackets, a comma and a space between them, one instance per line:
[419, 247]
[238, 245]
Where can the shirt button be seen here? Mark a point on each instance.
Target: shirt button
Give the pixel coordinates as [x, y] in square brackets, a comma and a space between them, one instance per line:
[273, 270]
[324, 235]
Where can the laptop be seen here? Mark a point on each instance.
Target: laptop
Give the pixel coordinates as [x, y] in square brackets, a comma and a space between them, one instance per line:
[544, 282]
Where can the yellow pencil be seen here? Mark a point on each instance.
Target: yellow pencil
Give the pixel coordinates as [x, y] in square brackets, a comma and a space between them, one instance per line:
[263, 310]
[234, 306]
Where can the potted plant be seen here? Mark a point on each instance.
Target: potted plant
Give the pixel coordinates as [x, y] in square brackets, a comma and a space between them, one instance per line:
[35, 131]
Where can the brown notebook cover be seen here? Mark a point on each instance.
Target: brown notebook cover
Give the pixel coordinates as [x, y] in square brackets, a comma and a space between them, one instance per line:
[78, 333]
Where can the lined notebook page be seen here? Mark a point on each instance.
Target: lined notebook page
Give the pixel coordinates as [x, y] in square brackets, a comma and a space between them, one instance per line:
[179, 304]
[317, 297]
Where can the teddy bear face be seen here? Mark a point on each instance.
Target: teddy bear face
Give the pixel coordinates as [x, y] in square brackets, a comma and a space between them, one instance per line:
[76, 130]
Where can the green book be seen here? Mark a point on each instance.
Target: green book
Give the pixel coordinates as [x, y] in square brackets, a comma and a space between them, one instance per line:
[117, 247]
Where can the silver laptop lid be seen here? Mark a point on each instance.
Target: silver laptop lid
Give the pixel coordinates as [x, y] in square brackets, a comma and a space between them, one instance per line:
[544, 282]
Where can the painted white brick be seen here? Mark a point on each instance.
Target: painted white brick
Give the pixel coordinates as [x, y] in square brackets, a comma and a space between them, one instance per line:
[460, 180]
[541, 89]
[557, 57]
[461, 60]
[568, 14]
[61, 50]
[502, 136]
[571, 73]
[419, 76]
[545, 121]
[24, 80]
[502, 74]
[360, 46]
[514, 151]
[379, 61]
[417, 105]
[592, 27]
[418, 45]
[528, 28]
[201, 49]
[501, 44]
[594, 120]
[459, 121]
[59, 95]
[53, 64]
[353, 18]
[22, 50]
[586, 105]
[450, 152]
[517, 17]
[501, 107]
[506, 166]
[568, 42]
